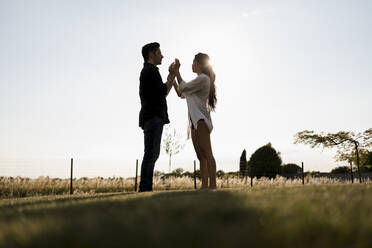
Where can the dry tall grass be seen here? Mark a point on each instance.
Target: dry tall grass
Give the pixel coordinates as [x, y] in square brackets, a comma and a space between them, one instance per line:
[23, 187]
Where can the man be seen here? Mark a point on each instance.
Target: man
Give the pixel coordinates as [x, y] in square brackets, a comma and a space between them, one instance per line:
[154, 113]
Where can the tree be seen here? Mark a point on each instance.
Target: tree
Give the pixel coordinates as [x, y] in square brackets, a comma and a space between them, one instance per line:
[346, 142]
[265, 161]
[243, 164]
[172, 144]
[290, 169]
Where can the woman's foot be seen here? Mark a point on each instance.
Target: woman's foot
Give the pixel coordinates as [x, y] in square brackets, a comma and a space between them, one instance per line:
[204, 188]
[212, 187]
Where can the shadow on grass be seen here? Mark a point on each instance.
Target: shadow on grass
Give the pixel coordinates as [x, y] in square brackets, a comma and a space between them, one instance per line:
[24, 202]
[160, 219]
[300, 217]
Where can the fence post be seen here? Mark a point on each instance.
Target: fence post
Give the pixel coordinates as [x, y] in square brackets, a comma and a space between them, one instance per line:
[71, 187]
[135, 178]
[302, 173]
[194, 174]
[351, 171]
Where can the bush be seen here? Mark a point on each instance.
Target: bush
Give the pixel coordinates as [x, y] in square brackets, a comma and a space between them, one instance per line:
[340, 170]
[368, 159]
[220, 173]
[265, 162]
[366, 168]
[177, 172]
[313, 174]
[188, 174]
[198, 174]
[291, 169]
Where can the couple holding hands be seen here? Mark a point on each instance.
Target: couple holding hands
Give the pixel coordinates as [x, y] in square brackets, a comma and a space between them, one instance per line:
[200, 95]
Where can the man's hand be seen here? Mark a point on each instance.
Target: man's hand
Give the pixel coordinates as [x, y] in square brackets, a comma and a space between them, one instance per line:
[170, 78]
[173, 72]
[171, 68]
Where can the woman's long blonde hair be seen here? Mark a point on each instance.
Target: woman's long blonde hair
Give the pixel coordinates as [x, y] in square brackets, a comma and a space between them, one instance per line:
[206, 68]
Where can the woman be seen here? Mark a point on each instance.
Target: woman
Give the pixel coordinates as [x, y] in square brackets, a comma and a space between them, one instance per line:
[200, 95]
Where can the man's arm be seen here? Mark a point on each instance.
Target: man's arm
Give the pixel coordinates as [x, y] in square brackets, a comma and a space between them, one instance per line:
[169, 82]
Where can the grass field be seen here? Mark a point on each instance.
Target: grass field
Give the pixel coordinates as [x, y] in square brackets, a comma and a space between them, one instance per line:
[275, 216]
[24, 187]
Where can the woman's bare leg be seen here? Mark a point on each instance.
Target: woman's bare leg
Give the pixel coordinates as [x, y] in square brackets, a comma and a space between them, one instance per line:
[204, 145]
[202, 161]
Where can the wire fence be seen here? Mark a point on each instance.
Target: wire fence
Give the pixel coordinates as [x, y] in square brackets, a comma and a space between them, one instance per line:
[24, 187]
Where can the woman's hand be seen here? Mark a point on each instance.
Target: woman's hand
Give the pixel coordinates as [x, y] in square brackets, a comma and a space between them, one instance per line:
[175, 85]
[177, 64]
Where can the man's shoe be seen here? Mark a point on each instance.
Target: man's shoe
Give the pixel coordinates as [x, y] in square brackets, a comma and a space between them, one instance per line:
[145, 190]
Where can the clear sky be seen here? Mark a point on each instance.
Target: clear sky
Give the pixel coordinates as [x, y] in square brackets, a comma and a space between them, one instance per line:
[69, 79]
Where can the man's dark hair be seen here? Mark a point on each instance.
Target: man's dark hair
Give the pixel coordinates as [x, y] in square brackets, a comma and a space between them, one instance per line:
[151, 47]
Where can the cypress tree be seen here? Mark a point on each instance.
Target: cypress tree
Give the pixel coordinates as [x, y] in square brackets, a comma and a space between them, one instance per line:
[243, 163]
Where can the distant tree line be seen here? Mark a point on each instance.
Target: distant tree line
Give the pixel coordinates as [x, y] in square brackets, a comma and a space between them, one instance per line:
[267, 162]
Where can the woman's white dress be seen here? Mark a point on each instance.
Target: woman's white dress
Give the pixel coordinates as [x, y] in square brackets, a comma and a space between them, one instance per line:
[196, 93]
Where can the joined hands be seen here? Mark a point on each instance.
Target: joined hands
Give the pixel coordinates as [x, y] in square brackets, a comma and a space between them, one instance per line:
[174, 67]
[174, 71]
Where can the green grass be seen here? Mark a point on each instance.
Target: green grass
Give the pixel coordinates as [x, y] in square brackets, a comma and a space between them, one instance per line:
[309, 216]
